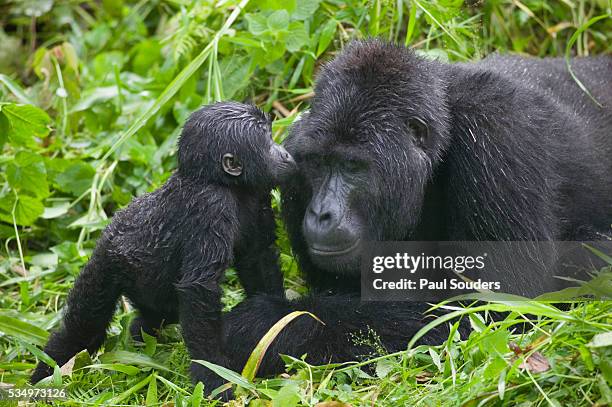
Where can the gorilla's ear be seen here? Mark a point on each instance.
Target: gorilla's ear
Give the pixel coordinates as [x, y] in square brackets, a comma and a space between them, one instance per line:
[231, 165]
[420, 131]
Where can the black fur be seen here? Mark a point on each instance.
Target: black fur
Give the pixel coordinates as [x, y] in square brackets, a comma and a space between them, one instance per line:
[168, 250]
[508, 148]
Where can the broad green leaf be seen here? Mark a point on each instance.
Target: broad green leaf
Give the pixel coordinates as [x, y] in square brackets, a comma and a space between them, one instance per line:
[279, 20]
[288, 5]
[48, 259]
[27, 209]
[27, 172]
[384, 367]
[494, 368]
[23, 330]
[96, 95]
[297, 36]
[305, 9]
[601, 340]
[287, 396]
[495, 343]
[257, 23]
[254, 361]
[25, 122]
[76, 179]
[57, 210]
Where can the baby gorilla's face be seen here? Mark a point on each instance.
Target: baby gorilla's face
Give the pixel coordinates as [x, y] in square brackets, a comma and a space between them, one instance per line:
[258, 163]
[231, 143]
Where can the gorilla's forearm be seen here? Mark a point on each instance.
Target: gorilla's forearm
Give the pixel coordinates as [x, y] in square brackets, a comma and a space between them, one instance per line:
[344, 316]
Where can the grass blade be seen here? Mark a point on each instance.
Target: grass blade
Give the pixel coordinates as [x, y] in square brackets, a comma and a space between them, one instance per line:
[16, 90]
[568, 49]
[228, 374]
[23, 330]
[252, 365]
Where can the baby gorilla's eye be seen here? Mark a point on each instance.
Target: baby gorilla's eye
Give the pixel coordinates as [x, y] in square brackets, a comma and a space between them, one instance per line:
[231, 165]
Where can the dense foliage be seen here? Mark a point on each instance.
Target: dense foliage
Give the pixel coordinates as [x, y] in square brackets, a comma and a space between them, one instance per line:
[92, 97]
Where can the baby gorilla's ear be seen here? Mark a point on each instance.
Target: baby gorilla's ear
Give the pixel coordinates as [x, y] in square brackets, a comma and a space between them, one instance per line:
[231, 165]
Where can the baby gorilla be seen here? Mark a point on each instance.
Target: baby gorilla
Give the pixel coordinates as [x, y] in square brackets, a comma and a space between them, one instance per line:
[168, 250]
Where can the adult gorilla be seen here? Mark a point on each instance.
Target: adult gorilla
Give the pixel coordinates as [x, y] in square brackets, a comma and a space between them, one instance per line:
[396, 147]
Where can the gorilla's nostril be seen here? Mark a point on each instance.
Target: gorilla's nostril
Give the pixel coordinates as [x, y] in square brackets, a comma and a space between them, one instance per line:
[325, 218]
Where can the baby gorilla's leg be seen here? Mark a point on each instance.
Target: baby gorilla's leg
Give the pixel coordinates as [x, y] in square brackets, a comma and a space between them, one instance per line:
[89, 310]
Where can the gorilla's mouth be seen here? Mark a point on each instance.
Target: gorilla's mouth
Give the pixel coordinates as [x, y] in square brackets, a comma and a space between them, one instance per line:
[334, 251]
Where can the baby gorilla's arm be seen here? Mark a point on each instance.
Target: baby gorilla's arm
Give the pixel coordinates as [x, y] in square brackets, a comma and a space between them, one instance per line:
[207, 253]
[257, 258]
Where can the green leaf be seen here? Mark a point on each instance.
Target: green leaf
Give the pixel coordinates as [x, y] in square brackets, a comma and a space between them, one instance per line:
[27, 209]
[76, 179]
[152, 392]
[252, 365]
[228, 375]
[601, 340]
[46, 260]
[327, 34]
[257, 23]
[23, 330]
[96, 95]
[305, 9]
[116, 367]
[24, 123]
[568, 50]
[27, 172]
[384, 367]
[288, 5]
[287, 396]
[278, 21]
[411, 23]
[15, 90]
[147, 53]
[131, 358]
[297, 36]
[495, 343]
[4, 130]
[57, 210]
[198, 395]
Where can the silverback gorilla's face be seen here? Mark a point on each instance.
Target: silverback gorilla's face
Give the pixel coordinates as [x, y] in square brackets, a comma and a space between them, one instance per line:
[365, 153]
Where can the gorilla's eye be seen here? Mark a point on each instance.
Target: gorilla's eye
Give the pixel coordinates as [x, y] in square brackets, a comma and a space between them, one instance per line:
[353, 165]
[231, 165]
[420, 131]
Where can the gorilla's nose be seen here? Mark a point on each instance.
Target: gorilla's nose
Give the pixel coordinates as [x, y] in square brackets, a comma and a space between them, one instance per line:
[326, 230]
[286, 157]
[321, 219]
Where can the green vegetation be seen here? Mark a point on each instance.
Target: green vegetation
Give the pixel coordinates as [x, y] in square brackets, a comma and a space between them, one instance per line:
[92, 97]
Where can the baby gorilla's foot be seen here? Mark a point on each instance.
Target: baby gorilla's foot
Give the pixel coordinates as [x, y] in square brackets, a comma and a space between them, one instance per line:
[140, 325]
[41, 371]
